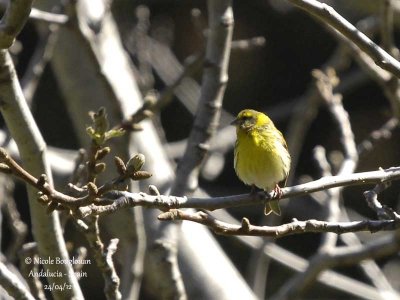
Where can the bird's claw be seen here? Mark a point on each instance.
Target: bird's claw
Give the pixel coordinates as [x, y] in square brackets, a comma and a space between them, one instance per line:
[277, 192]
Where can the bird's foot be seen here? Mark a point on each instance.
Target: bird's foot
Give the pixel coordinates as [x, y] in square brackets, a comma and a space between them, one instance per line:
[277, 192]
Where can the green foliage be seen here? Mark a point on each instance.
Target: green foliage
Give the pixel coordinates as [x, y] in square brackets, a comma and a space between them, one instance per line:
[99, 131]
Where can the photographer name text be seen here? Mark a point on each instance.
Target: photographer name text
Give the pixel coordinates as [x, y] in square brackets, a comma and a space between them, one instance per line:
[57, 261]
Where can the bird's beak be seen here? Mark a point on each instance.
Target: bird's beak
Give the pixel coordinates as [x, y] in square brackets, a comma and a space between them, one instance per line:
[235, 122]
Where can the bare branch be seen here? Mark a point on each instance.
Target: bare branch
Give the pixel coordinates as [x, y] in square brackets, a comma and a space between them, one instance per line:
[328, 15]
[248, 44]
[38, 62]
[383, 133]
[215, 77]
[306, 110]
[370, 268]
[383, 212]
[294, 262]
[46, 228]
[214, 81]
[29, 253]
[40, 15]
[11, 283]
[126, 199]
[294, 227]
[18, 228]
[142, 46]
[104, 259]
[12, 22]
[339, 257]
[387, 27]
[113, 86]
[333, 197]
[116, 200]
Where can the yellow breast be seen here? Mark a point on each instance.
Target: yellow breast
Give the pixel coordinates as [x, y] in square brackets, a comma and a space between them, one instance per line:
[261, 160]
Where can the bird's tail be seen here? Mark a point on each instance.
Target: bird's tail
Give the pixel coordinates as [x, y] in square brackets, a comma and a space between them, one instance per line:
[272, 207]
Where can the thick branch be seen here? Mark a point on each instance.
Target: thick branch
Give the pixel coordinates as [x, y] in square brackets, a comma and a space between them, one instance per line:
[46, 228]
[13, 21]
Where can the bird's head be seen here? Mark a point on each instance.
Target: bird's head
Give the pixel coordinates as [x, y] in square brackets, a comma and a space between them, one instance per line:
[249, 119]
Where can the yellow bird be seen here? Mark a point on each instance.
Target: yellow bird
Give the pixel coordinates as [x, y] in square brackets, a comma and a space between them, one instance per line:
[262, 158]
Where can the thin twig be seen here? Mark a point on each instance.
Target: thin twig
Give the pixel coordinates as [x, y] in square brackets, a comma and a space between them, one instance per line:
[325, 83]
[104, 259]
[294, 227]
[248, 44]
[332, 206]
[153, 103]
[142, 47]
[38, 62]
[383, 133]
[306, 110]
[370, 268]
[296, 263]
[81, 254]
[27, 254]
[328, 15]
[44, 16]
[18, 228]
[214, 81]
[382, 211]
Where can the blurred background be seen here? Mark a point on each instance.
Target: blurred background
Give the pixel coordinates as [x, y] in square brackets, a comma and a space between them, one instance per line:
[270, 71]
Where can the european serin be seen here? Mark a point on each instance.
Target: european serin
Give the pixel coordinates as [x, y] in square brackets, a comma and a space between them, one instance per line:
[261, 155]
